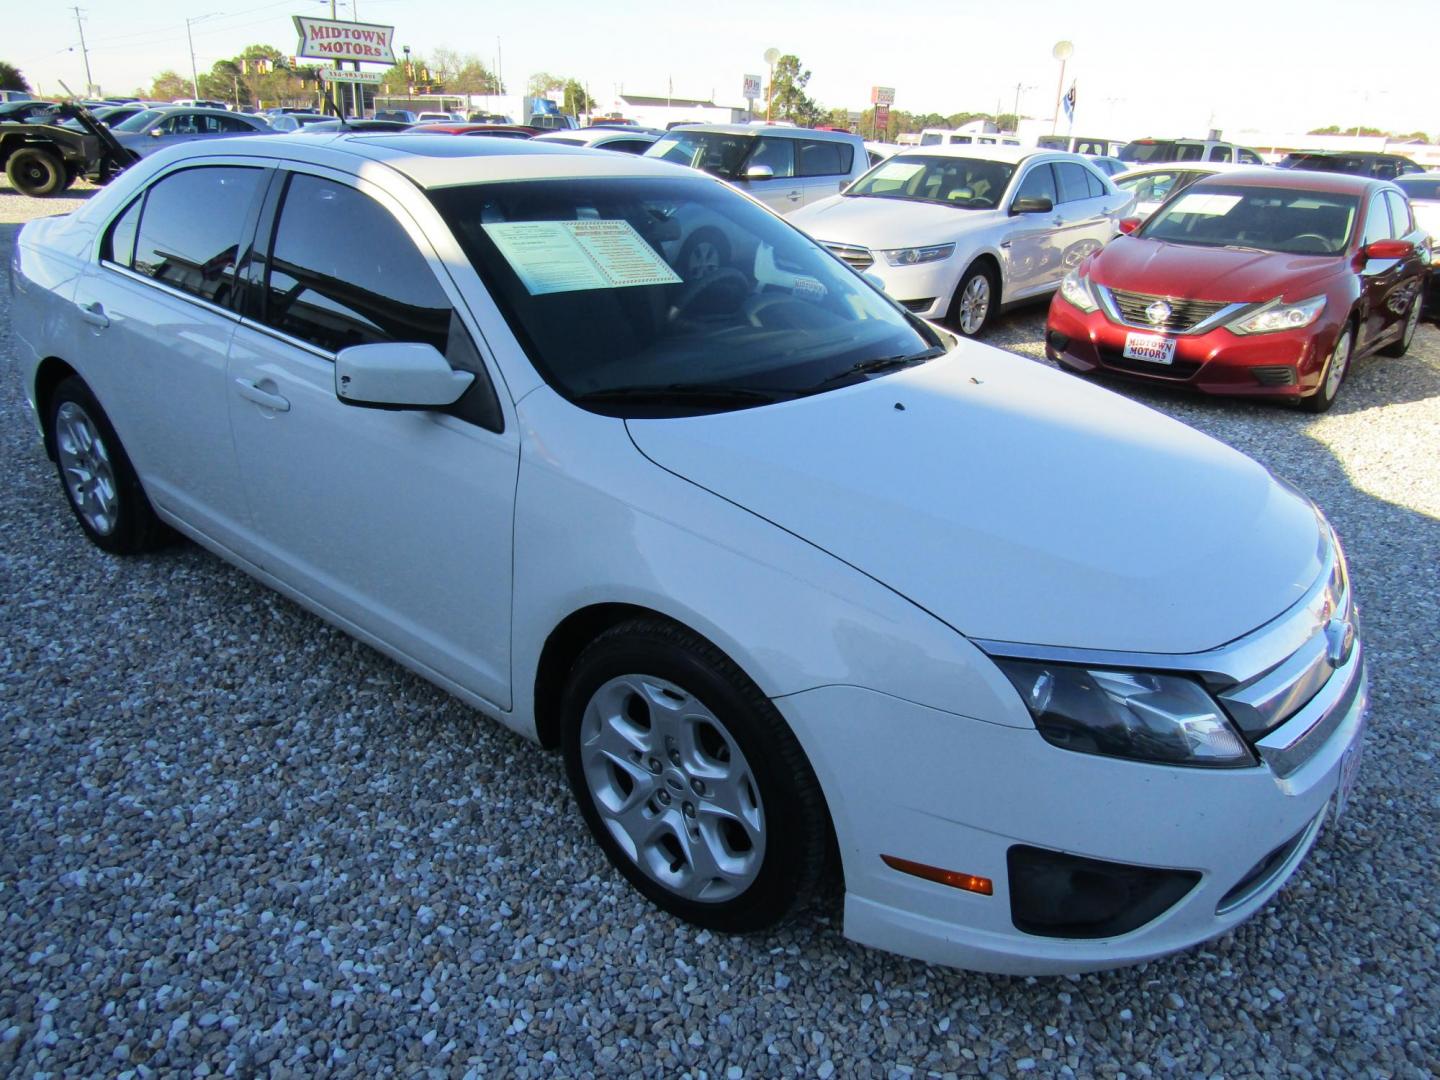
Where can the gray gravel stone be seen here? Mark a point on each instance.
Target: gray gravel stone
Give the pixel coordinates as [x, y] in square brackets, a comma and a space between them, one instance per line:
[235, 842]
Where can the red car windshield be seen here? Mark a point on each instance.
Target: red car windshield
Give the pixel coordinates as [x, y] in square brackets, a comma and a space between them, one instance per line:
[1259, 218]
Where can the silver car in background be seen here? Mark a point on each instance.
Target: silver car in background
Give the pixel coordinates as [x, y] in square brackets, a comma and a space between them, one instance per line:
[958, 232]
[155, 129]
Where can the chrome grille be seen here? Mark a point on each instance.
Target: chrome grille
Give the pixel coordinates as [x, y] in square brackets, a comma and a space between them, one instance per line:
[857, 257]
[1184, 315]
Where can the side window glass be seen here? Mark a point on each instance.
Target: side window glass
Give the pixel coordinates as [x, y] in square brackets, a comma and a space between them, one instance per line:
[1401, 223]
[1219, 153]
[1093, 182]
[230, 123]
[119, 243]
[818, 158]
[1377, 221]
[1189, 152]
[1073, 187]
[192, 227]
[343, 272]
[779, 154]
[1247, 157]
[1039, 183]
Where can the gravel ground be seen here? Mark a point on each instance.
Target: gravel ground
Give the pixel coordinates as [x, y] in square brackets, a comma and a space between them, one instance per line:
[233, 841]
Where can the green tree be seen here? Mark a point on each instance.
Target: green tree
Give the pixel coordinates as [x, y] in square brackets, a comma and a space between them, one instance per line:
[169, 86]
[576, 101]
[788, 100]
[542, 83]
[472, 77]
[11, 78]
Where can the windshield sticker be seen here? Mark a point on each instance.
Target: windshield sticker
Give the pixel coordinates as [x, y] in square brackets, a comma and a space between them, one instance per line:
[570, 256]
[898, 171]
[1208, 205]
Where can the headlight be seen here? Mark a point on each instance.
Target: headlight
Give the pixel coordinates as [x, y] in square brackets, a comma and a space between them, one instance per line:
[1139, 715]
[911, 256]
[1277, 316]
[1075, 288]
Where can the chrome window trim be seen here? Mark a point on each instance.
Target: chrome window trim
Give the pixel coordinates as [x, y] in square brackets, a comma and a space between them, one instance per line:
[1112, 312]
[171, 290]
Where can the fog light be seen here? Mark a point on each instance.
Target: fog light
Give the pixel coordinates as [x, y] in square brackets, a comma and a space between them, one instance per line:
[955, 879]
[1067, 896]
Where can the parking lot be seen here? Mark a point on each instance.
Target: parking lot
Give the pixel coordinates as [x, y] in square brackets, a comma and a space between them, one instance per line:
[234, 841]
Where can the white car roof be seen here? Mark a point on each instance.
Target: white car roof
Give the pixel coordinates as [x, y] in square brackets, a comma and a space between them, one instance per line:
[590, 136]
[788, 130]
[1184, 166]
[434, 161]
[990, 152]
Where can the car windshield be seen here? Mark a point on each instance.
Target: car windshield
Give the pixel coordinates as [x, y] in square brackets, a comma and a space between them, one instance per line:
[140, 121]
[720, 153]
[673, 296]
[966, 183]
[1261, 218]
[1154, 152]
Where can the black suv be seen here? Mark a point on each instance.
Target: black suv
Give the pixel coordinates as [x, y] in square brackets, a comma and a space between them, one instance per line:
[1357, 163]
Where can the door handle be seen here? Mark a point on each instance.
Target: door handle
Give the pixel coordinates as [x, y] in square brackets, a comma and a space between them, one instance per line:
[794, 196]
[94, 314]
[250, 392]
[1057, 221]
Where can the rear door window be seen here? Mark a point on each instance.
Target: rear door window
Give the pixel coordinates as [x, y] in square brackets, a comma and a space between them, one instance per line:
[1073, 185]
[1402, 224]
[192, 226]
[815, 158]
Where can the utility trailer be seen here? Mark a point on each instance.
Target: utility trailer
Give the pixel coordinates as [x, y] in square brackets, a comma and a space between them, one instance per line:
[45, 159]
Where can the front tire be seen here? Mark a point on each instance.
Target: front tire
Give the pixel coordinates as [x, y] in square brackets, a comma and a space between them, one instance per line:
[96, 475]
[976, 299]
[35, 171]
[1337, 367]
[690, 780]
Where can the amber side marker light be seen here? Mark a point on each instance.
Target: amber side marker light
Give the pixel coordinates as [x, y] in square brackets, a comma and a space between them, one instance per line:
[956, 880]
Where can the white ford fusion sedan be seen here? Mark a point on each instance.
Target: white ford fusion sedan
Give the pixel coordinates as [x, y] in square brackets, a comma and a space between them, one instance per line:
[792, 579]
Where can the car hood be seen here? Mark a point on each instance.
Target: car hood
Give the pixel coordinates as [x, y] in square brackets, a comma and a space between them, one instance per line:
[1016, 503]
[888, 223]
[1137, 264]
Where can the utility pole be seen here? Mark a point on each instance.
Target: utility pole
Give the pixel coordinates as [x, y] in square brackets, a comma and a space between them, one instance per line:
[89, 82]
[194, 74]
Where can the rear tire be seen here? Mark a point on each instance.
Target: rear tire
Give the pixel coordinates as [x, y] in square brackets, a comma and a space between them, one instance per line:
[96, 475]
[1332, 377]
[35, 171]
[690, 780]
[1412, 320]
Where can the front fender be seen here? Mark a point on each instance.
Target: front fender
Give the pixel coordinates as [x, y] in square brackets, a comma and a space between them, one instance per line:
[596, 522]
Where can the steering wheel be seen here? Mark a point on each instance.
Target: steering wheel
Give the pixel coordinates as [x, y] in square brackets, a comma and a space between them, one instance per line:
[695, 288]
[1325, 243]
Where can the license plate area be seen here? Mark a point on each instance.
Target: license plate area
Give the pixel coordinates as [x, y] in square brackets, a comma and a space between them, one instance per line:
[1152, 348]
[1349, 770]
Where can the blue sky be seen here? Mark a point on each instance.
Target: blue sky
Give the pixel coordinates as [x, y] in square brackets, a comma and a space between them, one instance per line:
[1168, 70]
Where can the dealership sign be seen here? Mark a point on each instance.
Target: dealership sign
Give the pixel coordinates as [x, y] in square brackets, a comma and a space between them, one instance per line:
[752, 87]
[334, 75]
[326, 39]
[882, 95]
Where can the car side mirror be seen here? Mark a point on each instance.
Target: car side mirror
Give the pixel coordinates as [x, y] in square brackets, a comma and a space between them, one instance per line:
[397, 375]
[759, 172]
[155, 133]
[1032, 204]
[1130, 224]
[1389, 249]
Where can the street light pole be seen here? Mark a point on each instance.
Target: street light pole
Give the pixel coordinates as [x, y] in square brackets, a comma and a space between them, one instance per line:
[1062, 51]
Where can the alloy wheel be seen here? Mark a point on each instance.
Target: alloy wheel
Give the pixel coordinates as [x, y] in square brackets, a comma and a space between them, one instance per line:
[673, 788]
[975, 304]
[85, 464]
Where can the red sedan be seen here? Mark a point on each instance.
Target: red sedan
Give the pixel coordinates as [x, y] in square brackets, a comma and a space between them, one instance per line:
[499, 131]
[1261, 284]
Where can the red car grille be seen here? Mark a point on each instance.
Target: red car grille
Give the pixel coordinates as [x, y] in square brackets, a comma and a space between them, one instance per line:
[1184, 314]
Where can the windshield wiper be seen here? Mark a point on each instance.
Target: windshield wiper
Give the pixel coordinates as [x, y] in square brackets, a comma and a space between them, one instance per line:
[879, 365]
[683, 393]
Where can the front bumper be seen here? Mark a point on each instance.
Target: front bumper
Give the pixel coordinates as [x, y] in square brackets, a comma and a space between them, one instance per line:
[1286, 364]
[951, 792]
[924, 289]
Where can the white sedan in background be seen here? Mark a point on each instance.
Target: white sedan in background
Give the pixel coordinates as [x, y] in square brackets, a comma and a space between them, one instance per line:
[620, 140]
[1153, 184]
[959, 231]
[456, 397]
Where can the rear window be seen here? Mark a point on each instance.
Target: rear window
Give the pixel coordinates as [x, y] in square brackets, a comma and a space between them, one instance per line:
[191, 228]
